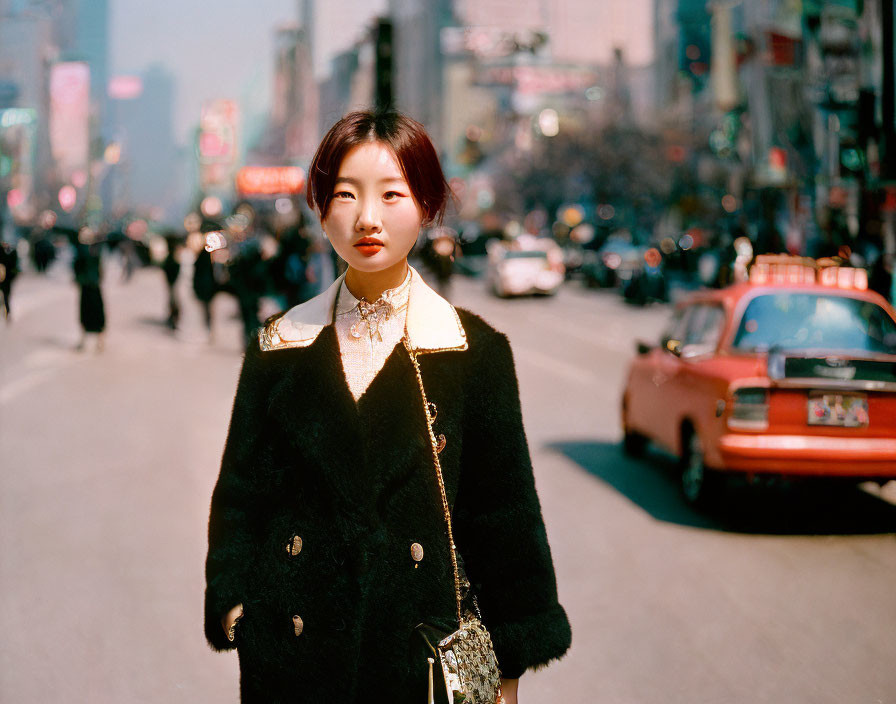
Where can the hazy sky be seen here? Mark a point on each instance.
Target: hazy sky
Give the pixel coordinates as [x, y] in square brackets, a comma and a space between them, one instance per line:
[221, 49]
[225, 49]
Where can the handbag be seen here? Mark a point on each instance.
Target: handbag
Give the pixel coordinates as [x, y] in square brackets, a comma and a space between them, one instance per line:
[461, 663]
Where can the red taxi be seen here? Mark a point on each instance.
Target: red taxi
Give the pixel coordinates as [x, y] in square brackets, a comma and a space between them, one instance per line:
[792, 373]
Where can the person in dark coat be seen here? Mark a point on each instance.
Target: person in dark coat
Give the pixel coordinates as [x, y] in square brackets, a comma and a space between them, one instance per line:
[246, 273]
[440, 253]
[171, 268]
[205, 286]
[88, 275]
[9, 269]
[327, 533]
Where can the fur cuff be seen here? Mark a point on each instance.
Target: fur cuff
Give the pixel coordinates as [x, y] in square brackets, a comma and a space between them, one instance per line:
[532, 643]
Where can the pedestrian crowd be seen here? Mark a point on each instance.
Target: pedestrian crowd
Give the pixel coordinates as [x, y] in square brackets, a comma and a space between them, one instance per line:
[258, 258]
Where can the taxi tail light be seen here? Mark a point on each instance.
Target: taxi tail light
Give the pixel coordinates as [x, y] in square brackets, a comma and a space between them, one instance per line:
[749, 409]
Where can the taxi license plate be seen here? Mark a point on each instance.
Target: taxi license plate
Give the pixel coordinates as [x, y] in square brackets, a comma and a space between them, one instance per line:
[844, 410]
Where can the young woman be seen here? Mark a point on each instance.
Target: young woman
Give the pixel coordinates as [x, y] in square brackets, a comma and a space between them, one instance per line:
[327, 537]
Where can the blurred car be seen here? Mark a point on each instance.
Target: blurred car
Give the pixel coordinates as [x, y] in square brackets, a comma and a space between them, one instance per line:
[519, 271]
[612, 264]
[648, 281]
[792, 374]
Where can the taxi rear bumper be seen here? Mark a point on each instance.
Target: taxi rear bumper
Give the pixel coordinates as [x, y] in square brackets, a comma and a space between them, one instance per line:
[808, 455]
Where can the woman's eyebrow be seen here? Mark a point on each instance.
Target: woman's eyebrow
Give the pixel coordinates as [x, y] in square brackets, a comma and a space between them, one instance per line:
[357, 182]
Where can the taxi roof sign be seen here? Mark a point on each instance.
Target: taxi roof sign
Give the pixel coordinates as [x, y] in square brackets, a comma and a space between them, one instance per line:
[789, 269]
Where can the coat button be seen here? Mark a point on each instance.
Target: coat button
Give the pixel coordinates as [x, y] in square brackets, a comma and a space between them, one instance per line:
[417, 552]
[294, 546]
[298, 625]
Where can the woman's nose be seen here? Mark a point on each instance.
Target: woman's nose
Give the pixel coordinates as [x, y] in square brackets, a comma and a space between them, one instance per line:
[369, 217]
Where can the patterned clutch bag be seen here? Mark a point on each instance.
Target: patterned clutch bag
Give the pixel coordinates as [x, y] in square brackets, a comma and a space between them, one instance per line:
[467, 670]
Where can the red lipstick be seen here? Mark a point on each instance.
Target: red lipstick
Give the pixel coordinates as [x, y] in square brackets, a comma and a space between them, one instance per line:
[368, 246]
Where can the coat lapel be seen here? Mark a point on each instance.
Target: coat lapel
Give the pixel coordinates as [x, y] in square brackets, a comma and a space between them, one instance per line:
[316, 411]
[394, 427]
[358, 452]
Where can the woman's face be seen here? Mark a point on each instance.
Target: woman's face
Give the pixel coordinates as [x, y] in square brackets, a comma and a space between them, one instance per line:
[373, 219]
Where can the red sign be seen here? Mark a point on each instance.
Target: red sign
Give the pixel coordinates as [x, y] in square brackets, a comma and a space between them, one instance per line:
[269, 180]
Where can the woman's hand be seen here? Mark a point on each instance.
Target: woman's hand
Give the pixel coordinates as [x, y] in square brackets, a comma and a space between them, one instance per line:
[230, 618]
[508, 691]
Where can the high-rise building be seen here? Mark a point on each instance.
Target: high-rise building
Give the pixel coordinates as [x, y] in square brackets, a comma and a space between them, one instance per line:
[81, 29]
[26, 45]
[292, 131]
[418, 60]
[34, 37]
[142, 169]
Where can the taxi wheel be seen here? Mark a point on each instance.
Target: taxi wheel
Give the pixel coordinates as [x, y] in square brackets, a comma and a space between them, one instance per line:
[699, 484]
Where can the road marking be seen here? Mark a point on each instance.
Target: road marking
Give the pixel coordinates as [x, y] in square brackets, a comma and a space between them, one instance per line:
[41, 364]
[18, 387]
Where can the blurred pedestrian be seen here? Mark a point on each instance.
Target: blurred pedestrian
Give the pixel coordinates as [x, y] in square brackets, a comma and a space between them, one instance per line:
[87, 267]
[319, 273]
[205, 287]
[171, 268]
[344, 502]
[9, 269]
[440, 253]
[247, 274]
[289, 267]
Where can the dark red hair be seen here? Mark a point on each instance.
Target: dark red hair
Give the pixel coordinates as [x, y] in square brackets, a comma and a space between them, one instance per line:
[406, 138]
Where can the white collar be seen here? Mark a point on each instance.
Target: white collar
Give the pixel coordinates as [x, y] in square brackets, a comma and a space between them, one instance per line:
[395, 297]
[432, 322]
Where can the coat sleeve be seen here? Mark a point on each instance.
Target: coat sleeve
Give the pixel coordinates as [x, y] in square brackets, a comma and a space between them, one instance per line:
[235, 500]
[498, 521]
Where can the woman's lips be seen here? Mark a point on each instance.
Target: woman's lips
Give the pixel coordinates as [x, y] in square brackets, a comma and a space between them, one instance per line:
[368, 246]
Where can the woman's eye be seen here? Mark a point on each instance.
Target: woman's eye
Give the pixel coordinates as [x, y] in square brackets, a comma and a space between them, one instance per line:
[392, 195]
[343, 194]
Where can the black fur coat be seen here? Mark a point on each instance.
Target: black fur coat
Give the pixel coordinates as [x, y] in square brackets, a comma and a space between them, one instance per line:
[355, 482]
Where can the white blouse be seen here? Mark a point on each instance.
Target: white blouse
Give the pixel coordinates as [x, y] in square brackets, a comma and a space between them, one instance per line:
[368, 333]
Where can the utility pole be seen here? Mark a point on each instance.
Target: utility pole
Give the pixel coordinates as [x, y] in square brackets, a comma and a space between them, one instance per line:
[888, 93]
[384, 95]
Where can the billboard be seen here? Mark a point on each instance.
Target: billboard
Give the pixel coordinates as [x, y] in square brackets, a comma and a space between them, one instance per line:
[70, 117]
[217, 143]
[542, 79]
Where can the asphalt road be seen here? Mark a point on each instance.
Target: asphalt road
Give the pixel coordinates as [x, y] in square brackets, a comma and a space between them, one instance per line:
[108, 461]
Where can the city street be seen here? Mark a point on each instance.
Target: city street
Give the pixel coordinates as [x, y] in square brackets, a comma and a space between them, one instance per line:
[108, 463]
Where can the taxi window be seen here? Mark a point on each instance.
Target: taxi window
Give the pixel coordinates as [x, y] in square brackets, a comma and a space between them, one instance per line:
[809, 321]
[674, 329]
[704, 325]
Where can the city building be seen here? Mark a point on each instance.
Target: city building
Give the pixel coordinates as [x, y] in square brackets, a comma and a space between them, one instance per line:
[784, 111]
[44, 46]
[142, 166]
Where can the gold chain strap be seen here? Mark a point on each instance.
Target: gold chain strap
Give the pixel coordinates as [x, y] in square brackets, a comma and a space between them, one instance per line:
[438, 465]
